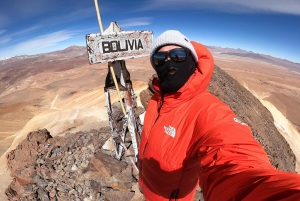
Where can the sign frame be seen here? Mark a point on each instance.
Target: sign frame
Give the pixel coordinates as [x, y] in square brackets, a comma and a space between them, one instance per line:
[118, 45]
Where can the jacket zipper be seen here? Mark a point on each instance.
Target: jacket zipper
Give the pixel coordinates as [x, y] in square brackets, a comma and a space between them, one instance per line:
[159, 108]
[174, 195]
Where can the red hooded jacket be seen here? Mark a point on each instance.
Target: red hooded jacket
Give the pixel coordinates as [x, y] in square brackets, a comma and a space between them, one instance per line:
[190, 137]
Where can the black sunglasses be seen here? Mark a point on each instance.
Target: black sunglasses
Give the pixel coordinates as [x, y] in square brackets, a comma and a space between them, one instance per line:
[177, 55]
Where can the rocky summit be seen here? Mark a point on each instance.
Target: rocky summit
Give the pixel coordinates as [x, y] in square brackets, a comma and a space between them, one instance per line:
[73, 167]
[79, 166]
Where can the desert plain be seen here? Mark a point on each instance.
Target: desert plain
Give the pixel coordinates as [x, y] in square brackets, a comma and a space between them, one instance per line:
[62, 92]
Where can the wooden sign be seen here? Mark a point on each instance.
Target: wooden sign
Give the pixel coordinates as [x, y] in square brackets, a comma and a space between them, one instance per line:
[118, 45]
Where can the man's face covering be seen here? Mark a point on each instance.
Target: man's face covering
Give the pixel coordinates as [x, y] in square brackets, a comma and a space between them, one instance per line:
[174, 72]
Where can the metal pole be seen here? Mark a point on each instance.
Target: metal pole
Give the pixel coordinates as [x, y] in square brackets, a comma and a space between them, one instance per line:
[110, 66]
[98, 15]
[117, 86]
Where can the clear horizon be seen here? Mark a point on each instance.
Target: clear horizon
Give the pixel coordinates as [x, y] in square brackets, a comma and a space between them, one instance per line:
[270, 28]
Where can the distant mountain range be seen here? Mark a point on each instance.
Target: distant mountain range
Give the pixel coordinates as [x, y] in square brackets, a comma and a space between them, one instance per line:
[266, 58]
[80, 50]
[70, 51]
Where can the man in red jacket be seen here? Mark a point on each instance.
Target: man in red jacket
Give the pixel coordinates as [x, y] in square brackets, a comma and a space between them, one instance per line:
[190, 137]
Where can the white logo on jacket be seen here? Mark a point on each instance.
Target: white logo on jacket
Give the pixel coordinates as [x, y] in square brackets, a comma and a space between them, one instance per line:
[239, 121]
[170, 131]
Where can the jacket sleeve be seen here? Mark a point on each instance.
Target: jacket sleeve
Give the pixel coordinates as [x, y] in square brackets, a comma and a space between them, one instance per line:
[234, 166]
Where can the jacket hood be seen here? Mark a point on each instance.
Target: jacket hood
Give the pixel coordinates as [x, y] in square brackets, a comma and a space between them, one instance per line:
[197, 83]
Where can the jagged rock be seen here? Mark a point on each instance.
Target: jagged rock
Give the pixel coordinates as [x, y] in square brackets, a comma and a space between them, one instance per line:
[43, 195]
[125, 176]
[117, 112]
[73, 167]
[118, 195]
[138, 196]
[139, 110]
[52, 193]
[145, 96]
[130, 151]
[91, 147]
[13, 190]
[27, 151]
[109, 145]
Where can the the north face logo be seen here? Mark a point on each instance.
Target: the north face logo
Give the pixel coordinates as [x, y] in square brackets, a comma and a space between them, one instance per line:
[170, 131]
[239, 121]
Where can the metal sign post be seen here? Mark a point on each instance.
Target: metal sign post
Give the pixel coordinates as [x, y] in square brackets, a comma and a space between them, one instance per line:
[114, 46]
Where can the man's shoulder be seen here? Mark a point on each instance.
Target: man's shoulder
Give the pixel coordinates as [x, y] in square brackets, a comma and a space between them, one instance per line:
[206, 98]
[207, 104]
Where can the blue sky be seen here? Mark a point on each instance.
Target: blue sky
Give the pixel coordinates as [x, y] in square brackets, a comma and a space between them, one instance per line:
[263, 26]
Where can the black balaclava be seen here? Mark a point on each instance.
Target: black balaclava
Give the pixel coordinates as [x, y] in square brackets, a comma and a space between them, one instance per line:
[183, 70]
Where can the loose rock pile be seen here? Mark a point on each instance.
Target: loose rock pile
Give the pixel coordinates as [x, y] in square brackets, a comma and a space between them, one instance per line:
[74, 167]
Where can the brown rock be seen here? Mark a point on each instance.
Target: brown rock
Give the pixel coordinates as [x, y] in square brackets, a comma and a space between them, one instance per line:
[52, 193]
[13, 190]
[113, 165]
[43, 195]
[139, 110]
[125, 176]
[130, 152]
[118, 195]
[24, 175]
[145, 96]
[138, 196]
[39, 136]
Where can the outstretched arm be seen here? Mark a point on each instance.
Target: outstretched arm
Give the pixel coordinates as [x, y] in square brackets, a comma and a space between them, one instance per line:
[234, 166]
